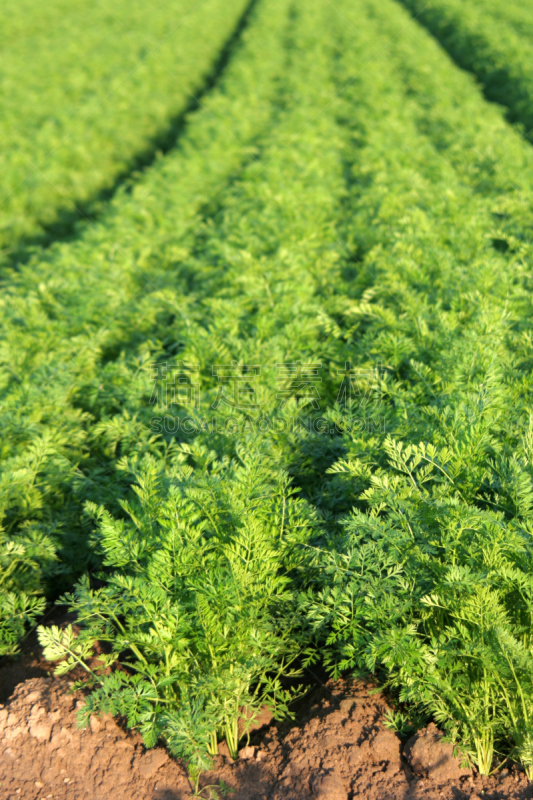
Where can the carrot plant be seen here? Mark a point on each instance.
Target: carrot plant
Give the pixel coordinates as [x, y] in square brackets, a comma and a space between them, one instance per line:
[198, 610]
[90, 92]
[435, 595]
[491, 40]
[21, 569]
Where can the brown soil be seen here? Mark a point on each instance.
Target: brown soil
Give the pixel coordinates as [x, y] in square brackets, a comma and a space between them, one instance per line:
[339, 750]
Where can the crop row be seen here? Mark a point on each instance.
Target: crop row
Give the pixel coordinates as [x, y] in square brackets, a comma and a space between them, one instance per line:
[77, 318]
[491, 40]
[513, 14]
[208, 606]
[429, 580]
[90, 92]
[278, 399]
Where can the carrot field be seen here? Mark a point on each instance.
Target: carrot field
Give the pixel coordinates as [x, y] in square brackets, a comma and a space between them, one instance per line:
[266, 362]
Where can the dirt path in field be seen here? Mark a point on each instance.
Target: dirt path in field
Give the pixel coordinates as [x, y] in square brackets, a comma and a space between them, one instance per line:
[337, 749]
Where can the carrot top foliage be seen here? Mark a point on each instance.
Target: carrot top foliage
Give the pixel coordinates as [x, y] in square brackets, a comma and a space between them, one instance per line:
[492, 40]
[89, 93]
[275, 405]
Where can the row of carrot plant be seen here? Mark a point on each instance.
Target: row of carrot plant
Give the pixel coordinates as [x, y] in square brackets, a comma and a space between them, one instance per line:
[429, 581]
[78, 316]
[492, 40]
[90, 91]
